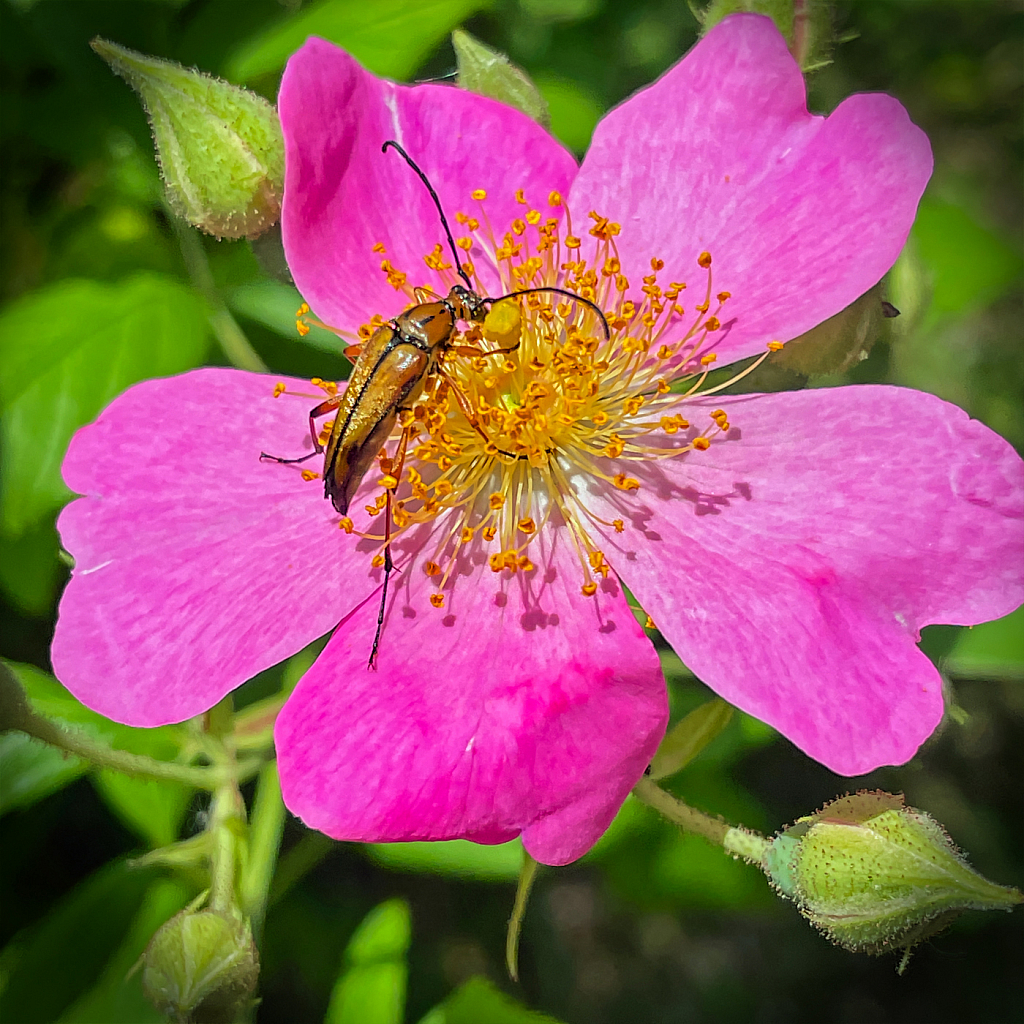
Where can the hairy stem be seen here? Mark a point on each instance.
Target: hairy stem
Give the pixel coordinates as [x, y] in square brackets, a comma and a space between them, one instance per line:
[229, 335]
[738, 841]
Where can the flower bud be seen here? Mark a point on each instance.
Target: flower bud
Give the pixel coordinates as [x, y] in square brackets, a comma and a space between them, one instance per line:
[875, 875]
[201, 966]
[220, 147]
[490, 73]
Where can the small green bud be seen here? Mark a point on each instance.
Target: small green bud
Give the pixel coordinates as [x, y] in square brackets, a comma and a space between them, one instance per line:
[875, 875]
[202, 967]
[490, 73]
[220, 147]
[806, 24]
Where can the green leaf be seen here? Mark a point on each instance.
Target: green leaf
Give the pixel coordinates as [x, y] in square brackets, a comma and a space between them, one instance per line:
[478, 1000]
[273, 304]
[970, 265]
[31, 770]
[391, 39]
[30, 567]
[575, 110]
[457, 857]
[117, 998]
[489, 72]
[688, 737]
[371, 988]
[993, 650]
[151, 809]
[65, 352]
[58, 959]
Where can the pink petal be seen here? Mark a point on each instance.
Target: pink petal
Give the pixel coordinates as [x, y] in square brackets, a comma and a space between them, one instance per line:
[342, 195]
[792, 564]
[521, 707]
[197, 565]
[801, 214]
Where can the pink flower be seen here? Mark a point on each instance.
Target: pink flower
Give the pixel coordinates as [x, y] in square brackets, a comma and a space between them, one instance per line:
[789, 546]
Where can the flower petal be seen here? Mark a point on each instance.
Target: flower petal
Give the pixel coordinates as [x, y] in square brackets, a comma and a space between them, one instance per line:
[522, 707]
[801, 214]
[342, 195]
[197, 565]
[792, 563]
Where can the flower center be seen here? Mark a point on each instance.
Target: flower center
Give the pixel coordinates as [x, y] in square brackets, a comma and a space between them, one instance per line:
[538, 396]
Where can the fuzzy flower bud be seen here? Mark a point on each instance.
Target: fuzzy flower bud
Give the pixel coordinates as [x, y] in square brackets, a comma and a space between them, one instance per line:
[876, 875]
[220, 147]
[201, 966]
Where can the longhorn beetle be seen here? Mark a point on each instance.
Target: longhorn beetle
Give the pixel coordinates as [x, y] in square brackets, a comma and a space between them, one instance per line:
[389, 375]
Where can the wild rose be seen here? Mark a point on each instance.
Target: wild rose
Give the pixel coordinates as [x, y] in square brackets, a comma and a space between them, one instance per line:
[789, 546]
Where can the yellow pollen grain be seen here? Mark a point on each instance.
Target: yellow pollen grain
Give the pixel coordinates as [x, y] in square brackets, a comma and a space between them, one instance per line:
[377, 561]
[310, 474]
[389, 483]
[626, 483]
[704, 260]
[712, 323]
[775, 346]
[554, 199]
[722, 296]
[708, 359]
[702, 444]
[379, 247]
[619, 525]
[479, 194]
[527, 526]
[432, 568]
[437, 600]
[279, 389]
[488, 532]
[496, 500]
[346, 524]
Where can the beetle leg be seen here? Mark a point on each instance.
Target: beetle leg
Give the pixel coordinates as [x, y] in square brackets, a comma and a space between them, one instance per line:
[467, 409]
[469, 350]
[321, 410]
[389, 564]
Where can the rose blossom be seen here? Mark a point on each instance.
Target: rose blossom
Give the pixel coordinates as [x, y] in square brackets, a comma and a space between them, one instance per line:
[788, 546]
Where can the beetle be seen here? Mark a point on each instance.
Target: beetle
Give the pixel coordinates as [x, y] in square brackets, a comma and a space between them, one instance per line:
[389, 374]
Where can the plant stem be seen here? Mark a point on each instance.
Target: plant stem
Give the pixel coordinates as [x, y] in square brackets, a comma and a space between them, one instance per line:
[305, 855]
[227, 812]
[740, 842]
[265, 828]
[527, 875]
[138, 765]
[229, 335]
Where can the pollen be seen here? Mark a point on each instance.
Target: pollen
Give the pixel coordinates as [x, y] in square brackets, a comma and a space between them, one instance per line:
[310, 474]
[576, 383]
[279, 389]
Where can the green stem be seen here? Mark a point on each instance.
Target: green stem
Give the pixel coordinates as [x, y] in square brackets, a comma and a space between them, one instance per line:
[229, 335]
[740, 842]
[527, 875]
[137, 765]
[265, 828]
[227, 811]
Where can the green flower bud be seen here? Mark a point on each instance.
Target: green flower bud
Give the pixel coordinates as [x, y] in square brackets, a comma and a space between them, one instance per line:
[490, 73]
[220, 147]
[201, 966]
[875, 875]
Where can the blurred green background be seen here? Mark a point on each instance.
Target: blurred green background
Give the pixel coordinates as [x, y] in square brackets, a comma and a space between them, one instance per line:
[650, 927]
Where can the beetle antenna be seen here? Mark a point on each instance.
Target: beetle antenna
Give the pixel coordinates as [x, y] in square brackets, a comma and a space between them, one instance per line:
[570, 295]
[437, 202]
